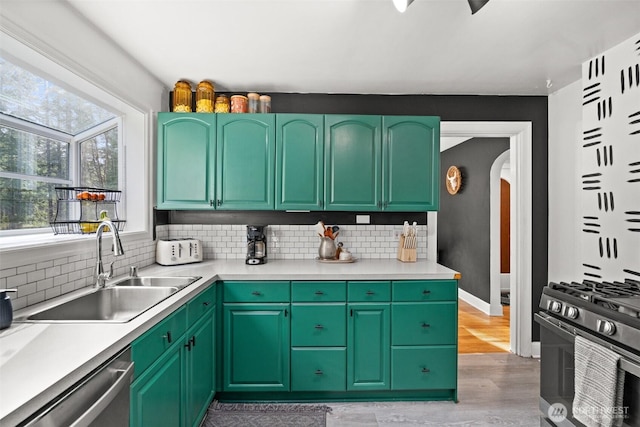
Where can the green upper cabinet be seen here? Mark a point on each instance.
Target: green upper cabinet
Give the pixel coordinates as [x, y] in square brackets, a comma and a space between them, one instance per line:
[410, 163]
[186, 158]
[245, 164]
[299, 161]
[353, 163]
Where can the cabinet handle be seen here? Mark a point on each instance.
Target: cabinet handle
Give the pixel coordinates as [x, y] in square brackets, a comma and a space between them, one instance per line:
[379, 205]
[425, 370]
[319, 372]
[319, 327]
[206, 303]
[386, 204]
[210, 202]
[351, 312]
[168, 337]
[425, 325]
[426, 292]
[319, 293]
[256, 293]
[320, 203]
[188, 346]
[370, 293]
[193, 340]
[219, 202]
[286, 312]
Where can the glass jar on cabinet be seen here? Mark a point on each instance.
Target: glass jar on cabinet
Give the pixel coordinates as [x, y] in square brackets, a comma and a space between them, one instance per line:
[205, 95]
[182, 97]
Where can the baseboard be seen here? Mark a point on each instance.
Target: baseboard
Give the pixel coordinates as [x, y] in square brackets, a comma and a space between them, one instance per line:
[474, 301]
[535, 349]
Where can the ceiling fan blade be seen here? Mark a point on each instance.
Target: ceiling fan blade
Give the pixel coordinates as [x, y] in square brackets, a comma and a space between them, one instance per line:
[476, 5]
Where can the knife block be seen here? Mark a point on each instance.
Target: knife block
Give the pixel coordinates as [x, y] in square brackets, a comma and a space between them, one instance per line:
[406, 254]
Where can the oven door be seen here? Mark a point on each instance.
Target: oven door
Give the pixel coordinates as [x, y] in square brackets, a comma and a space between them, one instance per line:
[557, 374]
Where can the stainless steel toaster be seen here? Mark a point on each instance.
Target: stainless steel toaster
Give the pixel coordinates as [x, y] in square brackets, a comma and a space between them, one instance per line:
[178, 251]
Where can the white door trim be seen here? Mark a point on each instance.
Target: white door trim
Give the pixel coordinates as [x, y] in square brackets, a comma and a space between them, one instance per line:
[520, 137]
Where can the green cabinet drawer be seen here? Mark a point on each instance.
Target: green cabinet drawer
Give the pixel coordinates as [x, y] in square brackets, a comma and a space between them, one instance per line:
[423, 323]
[425, 290]
[256, 292]
[148, 347]
[369, 291]
[318, 325]
[420, 368]
[199, 305]
[318, 369]
[318, 291]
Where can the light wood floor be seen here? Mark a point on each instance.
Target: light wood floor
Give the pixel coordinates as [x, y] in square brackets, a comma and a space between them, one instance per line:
[480, 333]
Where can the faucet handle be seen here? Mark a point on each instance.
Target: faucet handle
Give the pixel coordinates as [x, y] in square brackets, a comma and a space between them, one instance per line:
[133, 271]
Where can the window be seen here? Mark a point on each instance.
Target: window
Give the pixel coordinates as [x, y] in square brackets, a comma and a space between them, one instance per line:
[49, 136]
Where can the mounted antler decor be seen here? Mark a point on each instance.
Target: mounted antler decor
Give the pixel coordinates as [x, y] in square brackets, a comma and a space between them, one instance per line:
[454, 180]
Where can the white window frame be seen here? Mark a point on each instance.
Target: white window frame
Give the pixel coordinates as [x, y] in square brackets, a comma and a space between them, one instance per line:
[134, 152]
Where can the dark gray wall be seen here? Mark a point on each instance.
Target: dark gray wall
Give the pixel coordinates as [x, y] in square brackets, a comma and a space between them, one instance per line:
[456, 108]
[464, 218]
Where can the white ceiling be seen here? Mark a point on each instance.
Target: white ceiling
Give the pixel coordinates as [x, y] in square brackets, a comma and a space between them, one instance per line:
[510, 47]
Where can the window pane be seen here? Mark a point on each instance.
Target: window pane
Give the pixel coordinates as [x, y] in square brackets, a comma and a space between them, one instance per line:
[30, 97]
[29, 154]
[99, 161]
[26, 204]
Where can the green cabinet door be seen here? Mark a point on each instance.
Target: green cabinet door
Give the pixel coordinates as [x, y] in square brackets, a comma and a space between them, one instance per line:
[186, 160]
[411, 163]
[245, 163]
[353, 164]
[156, 396]
[200, 369]
[368, 347]
[256, 347]
[299, 161]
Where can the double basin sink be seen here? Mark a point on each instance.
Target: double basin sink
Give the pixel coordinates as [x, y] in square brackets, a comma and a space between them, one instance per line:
[119, 302]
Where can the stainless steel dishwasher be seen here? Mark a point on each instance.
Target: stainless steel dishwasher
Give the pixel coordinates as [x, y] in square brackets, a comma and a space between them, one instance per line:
[100, 399]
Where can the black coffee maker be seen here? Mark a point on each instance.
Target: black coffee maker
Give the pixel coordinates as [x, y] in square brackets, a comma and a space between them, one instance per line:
[256, 245]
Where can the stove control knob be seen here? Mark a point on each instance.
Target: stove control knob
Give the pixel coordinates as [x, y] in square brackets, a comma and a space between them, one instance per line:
[606, 327]
[571, 312]
[554, 306]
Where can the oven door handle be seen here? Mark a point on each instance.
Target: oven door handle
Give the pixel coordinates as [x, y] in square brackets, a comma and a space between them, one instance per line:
[625, 364]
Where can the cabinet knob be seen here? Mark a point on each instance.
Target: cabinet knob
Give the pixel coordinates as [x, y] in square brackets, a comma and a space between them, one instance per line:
[425, 370]
[319, 372]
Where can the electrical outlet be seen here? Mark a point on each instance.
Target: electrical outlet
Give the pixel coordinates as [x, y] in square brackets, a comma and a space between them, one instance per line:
[396, 234]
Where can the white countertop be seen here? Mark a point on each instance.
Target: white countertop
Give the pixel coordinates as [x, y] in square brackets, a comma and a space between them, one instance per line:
[38, 361]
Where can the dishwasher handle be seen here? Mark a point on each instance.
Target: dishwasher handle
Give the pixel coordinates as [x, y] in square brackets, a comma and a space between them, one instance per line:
[99, 406]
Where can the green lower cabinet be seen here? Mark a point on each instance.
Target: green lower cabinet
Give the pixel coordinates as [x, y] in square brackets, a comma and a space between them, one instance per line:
[368, 347]
[256, 347]
[200, 376]
[424, 323]
[318, 325]
[156, 396]
[423, 367]
[318, 369]
[175, 371]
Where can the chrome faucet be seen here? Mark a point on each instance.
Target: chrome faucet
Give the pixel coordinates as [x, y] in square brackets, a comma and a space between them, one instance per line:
[101, 276]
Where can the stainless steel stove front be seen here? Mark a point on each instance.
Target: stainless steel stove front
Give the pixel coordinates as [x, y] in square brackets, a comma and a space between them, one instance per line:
[557, 339]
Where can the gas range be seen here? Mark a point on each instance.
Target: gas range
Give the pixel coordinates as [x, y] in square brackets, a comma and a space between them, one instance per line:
[611, 310]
